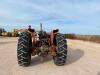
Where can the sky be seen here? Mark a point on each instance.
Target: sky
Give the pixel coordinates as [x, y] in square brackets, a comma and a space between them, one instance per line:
[70, 16]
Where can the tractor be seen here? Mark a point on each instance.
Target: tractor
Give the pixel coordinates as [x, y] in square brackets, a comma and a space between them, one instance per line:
[41, 43]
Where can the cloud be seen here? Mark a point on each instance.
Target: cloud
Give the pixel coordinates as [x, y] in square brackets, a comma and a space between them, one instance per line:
[75, 16]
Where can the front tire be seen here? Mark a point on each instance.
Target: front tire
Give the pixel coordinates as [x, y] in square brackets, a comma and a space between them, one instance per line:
[61, 52]
[23, 49]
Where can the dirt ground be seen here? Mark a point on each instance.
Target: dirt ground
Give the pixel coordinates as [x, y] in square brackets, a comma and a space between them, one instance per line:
[83, 59]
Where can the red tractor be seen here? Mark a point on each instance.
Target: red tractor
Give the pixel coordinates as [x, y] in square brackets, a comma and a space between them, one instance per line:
[41, 43]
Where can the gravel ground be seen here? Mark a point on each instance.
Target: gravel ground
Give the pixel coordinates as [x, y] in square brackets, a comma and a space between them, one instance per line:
[83, 59]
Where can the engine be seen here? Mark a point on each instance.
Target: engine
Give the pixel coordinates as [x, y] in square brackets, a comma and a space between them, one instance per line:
[43, 44]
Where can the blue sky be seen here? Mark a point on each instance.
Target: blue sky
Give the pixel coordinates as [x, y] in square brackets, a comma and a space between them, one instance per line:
[70, 16]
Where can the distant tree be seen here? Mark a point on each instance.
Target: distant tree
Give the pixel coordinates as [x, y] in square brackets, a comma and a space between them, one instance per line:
[2, 30]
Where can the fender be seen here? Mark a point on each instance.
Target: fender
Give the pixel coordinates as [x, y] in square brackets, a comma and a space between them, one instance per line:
[52, 48]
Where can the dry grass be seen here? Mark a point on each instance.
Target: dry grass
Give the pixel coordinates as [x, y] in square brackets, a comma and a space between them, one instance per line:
[93, 38]
[70, 36]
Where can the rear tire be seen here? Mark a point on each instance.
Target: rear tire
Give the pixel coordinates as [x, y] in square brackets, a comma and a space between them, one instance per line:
[61, 52]
[23, 49]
